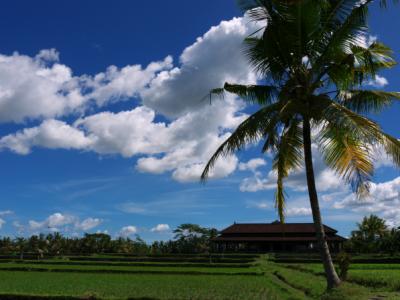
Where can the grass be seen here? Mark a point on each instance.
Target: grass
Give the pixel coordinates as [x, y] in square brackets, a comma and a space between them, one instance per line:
[60, 262]
[383, 276]
[313, 284]
[138, 269]
[261, 279]
[386, 279]
[118, 286]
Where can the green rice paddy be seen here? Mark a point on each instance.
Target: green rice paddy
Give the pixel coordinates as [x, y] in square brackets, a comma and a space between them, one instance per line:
[260, 278]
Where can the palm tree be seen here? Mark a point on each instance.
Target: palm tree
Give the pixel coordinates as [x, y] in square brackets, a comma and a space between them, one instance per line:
[314, 59]
[372, 227]
[20, 243]
[370, 233]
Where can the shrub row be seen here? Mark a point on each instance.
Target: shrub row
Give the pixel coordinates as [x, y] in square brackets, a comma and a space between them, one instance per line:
[223, 255]
[301, 269]
[30, 269]
[37, 297]
[127, 264]
[136, 259]
[394, 260]
[161, 259]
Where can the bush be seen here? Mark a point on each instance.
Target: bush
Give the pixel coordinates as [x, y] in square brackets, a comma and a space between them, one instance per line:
[343, 261]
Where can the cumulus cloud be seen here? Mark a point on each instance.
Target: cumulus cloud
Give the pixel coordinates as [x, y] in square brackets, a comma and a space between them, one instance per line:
[213, 59]
[42, 87]
[2, 222]
[161, 228]
[62, 222]
[384, 200]
[37, 87]
[252, 164]
[298, 211]
[182, 144]
[121, 84]
[378, 81]
[6, 212]
[51, 134]
[88, 224]
[127, 231]
[293, 207]
[326, 179]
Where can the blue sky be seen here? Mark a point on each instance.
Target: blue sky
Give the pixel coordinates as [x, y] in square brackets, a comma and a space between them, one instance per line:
[103, 126]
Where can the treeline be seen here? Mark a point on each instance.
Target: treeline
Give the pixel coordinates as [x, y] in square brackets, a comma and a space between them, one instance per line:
[188, 238]
[371, 236]
[374, 236]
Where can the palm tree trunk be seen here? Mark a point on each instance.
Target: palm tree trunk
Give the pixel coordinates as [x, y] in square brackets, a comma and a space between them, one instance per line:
[331, 276]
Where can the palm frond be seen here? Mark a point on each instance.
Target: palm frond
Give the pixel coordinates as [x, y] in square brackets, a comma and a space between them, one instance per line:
[345, 153]
[361, 134]
[366, 101]
[288, 157]
[267, 59]
[366, 129]
[249, 131]
[260, 94]
[392, 147]
[335, 43]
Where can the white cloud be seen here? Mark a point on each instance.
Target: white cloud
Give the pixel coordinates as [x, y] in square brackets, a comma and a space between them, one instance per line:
[48, 55]
[88, 224]
[181, 145]
[326, 179]
[384, 200]
[334, 196]
[378, 81]
[298, 211]
[214, 58]
[62, 222]
[2, 222]
[121, 84]
[252, 164]
[51, 134]
[41, 87]
[36, 87]
[161, 228]
[127, 231]
[58, 219]
[6, 212]
[19, 227]
[381, 158]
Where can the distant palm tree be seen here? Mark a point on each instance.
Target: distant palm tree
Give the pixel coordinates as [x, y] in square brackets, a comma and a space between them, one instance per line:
[314, 58]
[371, 228]
[21, 245]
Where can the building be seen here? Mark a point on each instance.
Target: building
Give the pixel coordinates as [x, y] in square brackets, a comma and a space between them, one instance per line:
[274, 237]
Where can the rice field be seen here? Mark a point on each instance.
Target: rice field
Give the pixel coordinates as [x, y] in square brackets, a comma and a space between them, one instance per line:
[187, 277]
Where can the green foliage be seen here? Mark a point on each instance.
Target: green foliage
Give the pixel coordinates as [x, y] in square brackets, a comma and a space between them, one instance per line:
[264, 280]
[121, 286]
[189, 238]
[314, 58]
[373, 236]
[376, 278]
[343, 260]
